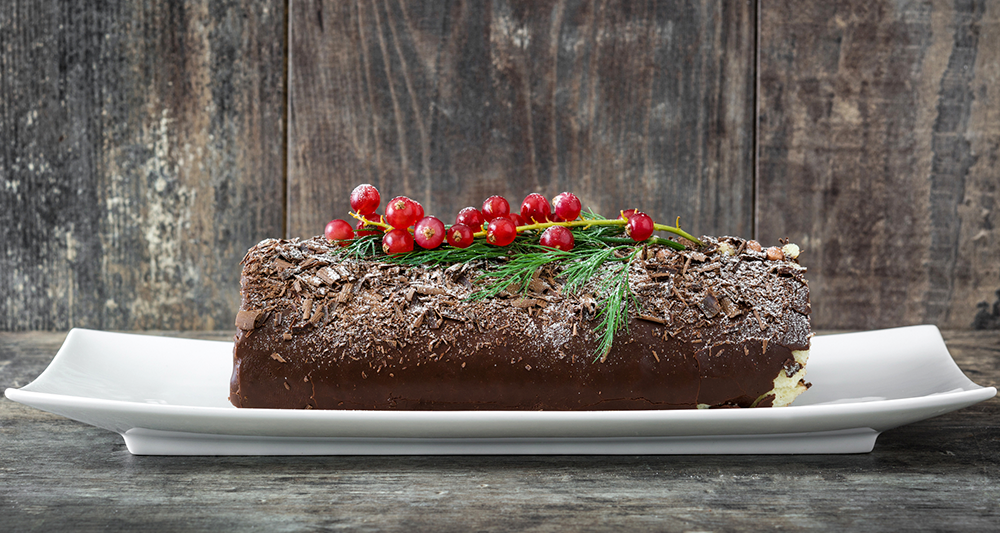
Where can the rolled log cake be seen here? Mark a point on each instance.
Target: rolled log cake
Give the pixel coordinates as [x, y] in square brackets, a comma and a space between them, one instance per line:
[723, 325]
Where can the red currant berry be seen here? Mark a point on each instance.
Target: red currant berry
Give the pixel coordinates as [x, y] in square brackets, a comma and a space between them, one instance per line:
[397, 241]
[566, 206]
[517, 219]
[339, 230]
[535, 208]
[501, 231]
[401, 212]
[558, 237]
[419, 208]
[495, 206]
[460, 236]
[429, 232]
[365, 199]
[373, 230]
[639, 227]
[470, 216]
[627, 214]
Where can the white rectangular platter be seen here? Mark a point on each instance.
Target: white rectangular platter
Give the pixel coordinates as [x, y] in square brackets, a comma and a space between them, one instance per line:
[169, 397]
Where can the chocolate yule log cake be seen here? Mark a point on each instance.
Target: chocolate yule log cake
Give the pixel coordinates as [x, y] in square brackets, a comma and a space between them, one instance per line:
[617, 319]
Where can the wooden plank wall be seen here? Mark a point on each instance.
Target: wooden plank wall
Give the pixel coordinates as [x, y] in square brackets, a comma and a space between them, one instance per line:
[879, 147]
[147, 146]
[141, 155]
[451, 102]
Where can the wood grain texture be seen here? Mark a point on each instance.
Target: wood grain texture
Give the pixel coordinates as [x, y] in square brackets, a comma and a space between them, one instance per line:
[938, 474]
[879, 143]
[142, 156]
[627, 104]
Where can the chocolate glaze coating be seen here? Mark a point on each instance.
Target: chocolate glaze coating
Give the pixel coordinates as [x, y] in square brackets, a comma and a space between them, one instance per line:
[314, 333]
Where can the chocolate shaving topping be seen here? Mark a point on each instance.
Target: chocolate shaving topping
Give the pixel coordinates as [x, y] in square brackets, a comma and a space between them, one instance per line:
[317, 315]
[648, 318]
[679, 297]
[728, 307]
[759, 321]
[710, 306]
[419, 320]
[248, 320]
[426, 290]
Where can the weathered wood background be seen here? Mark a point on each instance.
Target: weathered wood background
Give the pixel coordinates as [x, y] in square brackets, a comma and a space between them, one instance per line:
[146, 145]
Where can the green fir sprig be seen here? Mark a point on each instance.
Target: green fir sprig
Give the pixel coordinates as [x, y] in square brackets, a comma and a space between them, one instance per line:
[617, 297]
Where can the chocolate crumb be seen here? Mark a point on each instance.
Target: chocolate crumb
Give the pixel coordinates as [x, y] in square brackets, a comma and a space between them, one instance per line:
[791, 366]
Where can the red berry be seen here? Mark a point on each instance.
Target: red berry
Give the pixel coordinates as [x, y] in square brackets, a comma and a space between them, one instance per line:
[339, 230]
[566, 206]
[517, 219]
[401, 212]
[470, 216]
[495, 206]
[397, 241]
[535, 208]
[558, 237]
[627, 214]
[429, 232]
[420, 209]
[460, 236]
[365, 199]
[639, 226]
[375, 230]
[501, 231]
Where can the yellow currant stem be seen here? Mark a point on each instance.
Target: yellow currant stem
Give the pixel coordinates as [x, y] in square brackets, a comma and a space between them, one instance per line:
[570, 224]
[677, 231]
[598, 222]
[381, 223]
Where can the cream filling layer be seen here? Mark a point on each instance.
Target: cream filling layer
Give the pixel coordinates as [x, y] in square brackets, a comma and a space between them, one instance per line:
[787, 388]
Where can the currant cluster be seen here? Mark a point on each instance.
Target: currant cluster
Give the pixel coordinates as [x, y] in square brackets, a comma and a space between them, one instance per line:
[404, 223]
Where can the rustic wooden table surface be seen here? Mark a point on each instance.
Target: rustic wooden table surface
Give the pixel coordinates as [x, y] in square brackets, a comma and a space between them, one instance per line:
[939, 474]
